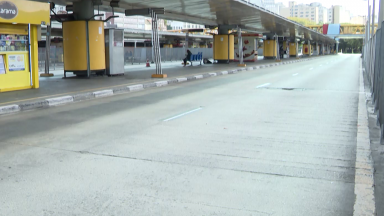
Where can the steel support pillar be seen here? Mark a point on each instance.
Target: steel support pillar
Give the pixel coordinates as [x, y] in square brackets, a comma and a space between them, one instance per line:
[240, 44]
[317, 48]
[278, 48]
[156, 47]
[186, 45]
[297, 49]
[373, 19]
[47, 52]
[337, 48]
[309, 49]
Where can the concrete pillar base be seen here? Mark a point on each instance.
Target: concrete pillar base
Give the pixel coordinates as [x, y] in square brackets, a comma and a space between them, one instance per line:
[46, 75]
[241, 65]
[159, 75]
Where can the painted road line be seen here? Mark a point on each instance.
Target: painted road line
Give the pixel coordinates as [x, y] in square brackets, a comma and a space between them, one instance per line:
[261, 86]
[310, 68]
[295, 74]
[183, 114]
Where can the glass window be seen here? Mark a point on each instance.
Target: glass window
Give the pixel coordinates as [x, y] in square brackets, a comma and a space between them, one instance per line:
[9, 42]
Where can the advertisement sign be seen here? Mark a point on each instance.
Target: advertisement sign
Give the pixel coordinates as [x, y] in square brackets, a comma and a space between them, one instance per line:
[2, 65]
[16, 62]
[249, 47]
[8, 10]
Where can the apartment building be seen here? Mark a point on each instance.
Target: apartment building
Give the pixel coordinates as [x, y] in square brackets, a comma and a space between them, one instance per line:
[304, 11]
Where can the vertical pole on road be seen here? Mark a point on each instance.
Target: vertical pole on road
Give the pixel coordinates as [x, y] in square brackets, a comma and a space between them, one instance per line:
[297, 49]
[186, 42]
[369, 22]
[373, 19]
[317, 48]
[158, 47]
[322, 49]
[134, 53]
[309, 48]
[153, 39]
[47, 49]
[278, 48]
[337, 48]
[240, 44]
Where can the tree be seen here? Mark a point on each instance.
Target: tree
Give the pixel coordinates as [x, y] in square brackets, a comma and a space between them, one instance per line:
[302, 21]
[351, 45]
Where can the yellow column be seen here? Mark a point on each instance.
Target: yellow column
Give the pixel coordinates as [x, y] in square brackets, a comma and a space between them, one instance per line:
[292, 49]
[35, 56]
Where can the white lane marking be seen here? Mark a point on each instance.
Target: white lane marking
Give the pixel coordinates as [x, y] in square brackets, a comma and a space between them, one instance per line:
[321, 65]
[183, 114]
[310, 68]
[295, 74]
[265, 84]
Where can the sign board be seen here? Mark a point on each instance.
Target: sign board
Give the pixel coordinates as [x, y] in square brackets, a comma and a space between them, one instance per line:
[16, 62]
[249, 49]
[24, 12]
[8, 10]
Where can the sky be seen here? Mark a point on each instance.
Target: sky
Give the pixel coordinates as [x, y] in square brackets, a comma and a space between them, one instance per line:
[357, 7]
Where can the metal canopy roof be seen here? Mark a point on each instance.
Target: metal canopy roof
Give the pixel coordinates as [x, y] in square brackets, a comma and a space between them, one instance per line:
[223, 12]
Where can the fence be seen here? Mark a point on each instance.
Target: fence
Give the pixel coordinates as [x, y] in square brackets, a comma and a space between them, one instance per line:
[56, 60]
[373, 65]
[131, 55]
[140, 55]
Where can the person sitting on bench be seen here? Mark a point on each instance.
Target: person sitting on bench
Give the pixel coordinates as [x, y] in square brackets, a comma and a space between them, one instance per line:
[188, 58]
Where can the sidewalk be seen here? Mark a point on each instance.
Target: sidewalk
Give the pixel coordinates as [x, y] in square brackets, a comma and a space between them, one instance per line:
[56, 90]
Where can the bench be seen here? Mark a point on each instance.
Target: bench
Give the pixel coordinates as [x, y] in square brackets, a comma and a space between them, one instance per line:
[196, 57]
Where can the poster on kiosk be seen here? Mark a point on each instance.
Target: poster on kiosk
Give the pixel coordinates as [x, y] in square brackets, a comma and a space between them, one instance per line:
[249, 47]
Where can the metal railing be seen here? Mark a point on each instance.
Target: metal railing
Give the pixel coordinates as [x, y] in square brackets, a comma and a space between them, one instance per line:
[131, 55]
[140, 55]
[56, 61]
[373, 67]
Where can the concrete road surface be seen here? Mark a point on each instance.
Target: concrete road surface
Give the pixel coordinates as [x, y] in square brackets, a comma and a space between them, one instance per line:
[277, 141]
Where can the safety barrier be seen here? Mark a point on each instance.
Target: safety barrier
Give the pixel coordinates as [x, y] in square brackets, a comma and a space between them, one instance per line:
[140, 55]
[131, 55]
[373, 67]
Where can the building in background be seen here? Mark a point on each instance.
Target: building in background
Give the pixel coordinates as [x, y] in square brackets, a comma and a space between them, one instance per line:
[271, 6]
[259, 3]
[330, 15]
[308, 12]
[284, 10]
[341, 15]
[323, 12]
[359, 20]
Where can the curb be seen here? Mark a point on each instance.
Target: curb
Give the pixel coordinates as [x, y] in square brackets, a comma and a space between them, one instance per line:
[57, 101]
[364, 169]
